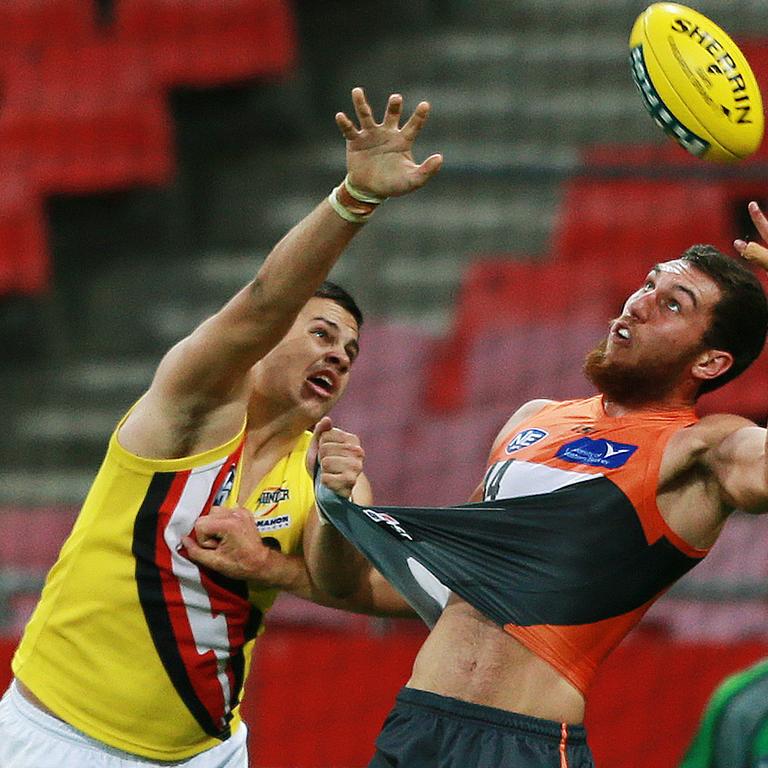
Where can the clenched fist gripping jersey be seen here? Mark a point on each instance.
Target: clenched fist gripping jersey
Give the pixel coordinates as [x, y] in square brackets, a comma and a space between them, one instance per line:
[568, 549]
[131, 642]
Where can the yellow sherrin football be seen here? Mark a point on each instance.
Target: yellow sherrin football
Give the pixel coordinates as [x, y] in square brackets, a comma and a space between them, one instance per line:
[696, 83]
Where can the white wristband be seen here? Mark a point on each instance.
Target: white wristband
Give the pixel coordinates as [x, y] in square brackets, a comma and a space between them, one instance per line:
[363, 197]
[352, 204]
[344, 212]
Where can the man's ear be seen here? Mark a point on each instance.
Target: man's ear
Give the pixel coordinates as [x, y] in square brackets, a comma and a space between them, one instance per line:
[711, 363]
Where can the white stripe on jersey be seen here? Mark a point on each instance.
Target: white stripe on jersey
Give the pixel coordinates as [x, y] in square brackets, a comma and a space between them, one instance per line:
[512, 479]
[210, 632]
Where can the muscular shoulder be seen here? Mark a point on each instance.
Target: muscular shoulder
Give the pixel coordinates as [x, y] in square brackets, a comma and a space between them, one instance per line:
[728, 454]
[695, 443]
[525, 411]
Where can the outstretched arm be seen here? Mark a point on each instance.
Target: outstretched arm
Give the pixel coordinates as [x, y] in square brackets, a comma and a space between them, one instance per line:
[739, 459]
[198, 395]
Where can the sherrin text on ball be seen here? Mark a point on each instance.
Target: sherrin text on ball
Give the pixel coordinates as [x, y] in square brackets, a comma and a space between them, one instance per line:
[696, 83]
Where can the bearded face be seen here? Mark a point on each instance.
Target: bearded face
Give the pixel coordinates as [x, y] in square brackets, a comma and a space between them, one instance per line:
[636, 384]
[651, 353]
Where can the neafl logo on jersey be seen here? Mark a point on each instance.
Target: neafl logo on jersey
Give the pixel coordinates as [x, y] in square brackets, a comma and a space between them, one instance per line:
[525, 439]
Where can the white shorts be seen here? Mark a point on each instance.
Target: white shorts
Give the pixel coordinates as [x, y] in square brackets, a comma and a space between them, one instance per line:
[30, 738]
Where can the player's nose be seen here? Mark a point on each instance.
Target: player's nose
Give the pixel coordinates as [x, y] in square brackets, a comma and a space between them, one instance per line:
[339, 358]
[640, 306]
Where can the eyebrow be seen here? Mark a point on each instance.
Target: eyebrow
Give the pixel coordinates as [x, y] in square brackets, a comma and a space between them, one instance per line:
[657, 269]
[352, 347]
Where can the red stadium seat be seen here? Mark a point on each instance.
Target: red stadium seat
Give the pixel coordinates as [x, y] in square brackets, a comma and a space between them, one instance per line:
[632, 221]
[20, 550]
[507, 367]
[214, 43]
[393, 374]
[112, 131]
[39, 23]
[628, 224]
[457, 442]
[756, 52]
[24, 260]
[530, 314]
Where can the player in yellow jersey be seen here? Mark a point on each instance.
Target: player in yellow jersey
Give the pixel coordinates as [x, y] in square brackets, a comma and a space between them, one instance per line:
[136, 655]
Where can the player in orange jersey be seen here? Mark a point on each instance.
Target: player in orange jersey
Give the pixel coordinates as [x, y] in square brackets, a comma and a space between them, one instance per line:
[588, 511]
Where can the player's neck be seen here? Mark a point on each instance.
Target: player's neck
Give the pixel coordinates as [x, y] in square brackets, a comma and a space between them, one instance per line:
[274, 432]
[681, 397]
[264, 446]
[616, 409]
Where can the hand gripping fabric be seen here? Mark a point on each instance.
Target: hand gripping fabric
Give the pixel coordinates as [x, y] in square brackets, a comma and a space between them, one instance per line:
[572, 557]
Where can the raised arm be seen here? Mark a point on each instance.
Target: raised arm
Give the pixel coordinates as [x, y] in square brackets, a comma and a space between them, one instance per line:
[738, 462]
[198, 396]
[737, 455]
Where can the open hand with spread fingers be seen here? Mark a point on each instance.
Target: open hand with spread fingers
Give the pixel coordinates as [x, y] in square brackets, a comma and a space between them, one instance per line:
[379, 155]
[753, 251]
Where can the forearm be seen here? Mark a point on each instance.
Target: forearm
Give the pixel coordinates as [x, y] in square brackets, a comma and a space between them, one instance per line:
[297, 265]
[335, 566]
[288, 573]
[342, 578]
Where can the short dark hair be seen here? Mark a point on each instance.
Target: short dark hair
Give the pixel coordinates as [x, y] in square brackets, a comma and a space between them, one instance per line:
[740, 317]
[334, 292]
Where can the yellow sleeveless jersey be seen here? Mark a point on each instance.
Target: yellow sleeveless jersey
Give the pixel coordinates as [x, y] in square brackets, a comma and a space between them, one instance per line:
[131, 642]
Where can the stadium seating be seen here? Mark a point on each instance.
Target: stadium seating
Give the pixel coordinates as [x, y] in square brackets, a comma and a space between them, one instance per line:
[391, 375]
[737, 559]
[19, 549]
[111, 131]
[24, 262]
[29, 547]
[217, 44]
[35, 24]
[526, 322]
[756, 52]
[630, 223]
[84, 107]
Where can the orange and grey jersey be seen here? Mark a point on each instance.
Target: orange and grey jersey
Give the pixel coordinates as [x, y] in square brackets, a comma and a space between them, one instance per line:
[610, 553]
[133, 643]
[568, 549]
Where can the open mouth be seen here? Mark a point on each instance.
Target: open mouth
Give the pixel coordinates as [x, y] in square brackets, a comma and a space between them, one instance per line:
[322, 383]
[622, 331]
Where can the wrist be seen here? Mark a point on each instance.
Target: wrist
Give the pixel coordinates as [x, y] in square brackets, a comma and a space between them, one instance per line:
[285, 571]
[353, 204]
[360, 195]
[321, 517]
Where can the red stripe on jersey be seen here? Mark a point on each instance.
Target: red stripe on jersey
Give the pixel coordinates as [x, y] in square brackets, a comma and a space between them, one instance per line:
[201, 668]
[235, 608]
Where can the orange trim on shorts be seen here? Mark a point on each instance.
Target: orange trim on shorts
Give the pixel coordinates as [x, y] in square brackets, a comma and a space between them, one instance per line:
[563, 745]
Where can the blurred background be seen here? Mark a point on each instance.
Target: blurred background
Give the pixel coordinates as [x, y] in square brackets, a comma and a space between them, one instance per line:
[151, 152]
